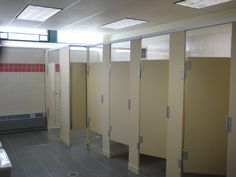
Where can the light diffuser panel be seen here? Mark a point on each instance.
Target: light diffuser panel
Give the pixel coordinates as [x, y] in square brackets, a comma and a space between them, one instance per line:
[124, 23]
[198, 4]
[37, 13]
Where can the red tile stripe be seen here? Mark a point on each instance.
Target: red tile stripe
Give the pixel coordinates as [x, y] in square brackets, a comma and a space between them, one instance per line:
[57, 67]
[21, 67]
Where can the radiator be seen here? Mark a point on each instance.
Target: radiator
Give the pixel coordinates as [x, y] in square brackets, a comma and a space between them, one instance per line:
[22, 121]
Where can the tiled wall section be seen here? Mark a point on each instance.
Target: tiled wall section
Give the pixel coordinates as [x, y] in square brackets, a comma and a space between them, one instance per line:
[57, 67]
[22, 81]
[19, 67]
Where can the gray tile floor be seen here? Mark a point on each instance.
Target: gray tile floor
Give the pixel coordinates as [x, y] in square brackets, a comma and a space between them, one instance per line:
[41, 154]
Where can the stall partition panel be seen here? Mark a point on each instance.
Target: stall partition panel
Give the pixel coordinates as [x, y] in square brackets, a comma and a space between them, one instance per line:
[51, 93]
[154, 99]
[206, 108]
[78, 95]
[95, 85]
[119, 96]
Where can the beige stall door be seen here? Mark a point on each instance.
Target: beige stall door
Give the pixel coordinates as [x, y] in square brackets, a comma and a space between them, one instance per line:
[78, 95]
[52, 122]
[119, 95]
[154, 98]
[95, 84]
[206, 108]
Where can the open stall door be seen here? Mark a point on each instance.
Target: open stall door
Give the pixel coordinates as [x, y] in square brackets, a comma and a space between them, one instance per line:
[119, 95]
[206, 108]
[78, 95]
[154, 98]
[95, 84]
[51, 110]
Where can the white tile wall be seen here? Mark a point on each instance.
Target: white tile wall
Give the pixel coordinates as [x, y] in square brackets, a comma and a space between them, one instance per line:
[22, 92]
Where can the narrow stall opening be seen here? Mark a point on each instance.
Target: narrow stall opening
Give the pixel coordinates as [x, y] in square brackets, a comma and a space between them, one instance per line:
[78, 94]
[95, 95]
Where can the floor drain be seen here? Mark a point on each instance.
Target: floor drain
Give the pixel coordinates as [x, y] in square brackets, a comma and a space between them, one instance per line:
[72, 174]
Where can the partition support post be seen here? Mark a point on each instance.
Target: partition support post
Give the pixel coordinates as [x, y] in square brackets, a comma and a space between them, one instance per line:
[231, 157]
[46, 87]
[176, 104]
[106, 103]
[65, 95]
[87, 118]
[134, 93]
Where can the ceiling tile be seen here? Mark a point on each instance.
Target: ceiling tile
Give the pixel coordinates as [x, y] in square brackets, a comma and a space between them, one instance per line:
[8, 11]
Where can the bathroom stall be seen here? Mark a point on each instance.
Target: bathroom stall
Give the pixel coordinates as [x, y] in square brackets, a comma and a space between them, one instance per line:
[207, 83]
[78, 93]
[154, 74]
[95, 97]
[119, 92]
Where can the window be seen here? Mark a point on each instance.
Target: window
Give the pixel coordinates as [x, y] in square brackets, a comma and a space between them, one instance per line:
[23, 34]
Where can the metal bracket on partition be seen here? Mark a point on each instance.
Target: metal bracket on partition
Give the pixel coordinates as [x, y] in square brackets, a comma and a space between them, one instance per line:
[180, 163]
[102, 98]
[88, 121]
[140, 139]
[141, 70]
[88, 69]
[110, 67]
[138, 145]
[167, 112]
[187, 67]
[110, 130]
[185, 155]
[47, 113]
[183, 74]
[129, 104]
[229, 124]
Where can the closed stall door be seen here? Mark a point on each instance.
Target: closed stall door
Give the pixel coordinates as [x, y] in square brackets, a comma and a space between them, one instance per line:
[206, 108]
[154, 97]
[119, 95]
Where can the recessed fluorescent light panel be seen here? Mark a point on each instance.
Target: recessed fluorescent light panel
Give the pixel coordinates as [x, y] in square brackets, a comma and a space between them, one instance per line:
[37, 13]
[124, 23]
[198, 4]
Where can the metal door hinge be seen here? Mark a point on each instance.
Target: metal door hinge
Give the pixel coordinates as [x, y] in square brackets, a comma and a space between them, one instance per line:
[102, 98]
[88, 69]
[229, 124]
[109, 130]
[141, 69]
[183, 74]
[88, 121]
[47, 113]
[185, 155]
[167, 112]
[187, 67]
[110, 67]
[180, 163]
[129, 104]
[140, 139]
